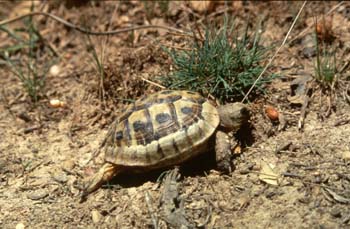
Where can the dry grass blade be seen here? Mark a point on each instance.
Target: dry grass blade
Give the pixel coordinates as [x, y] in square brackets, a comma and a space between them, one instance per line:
[277, 51]
[80, 29]
[153, 83]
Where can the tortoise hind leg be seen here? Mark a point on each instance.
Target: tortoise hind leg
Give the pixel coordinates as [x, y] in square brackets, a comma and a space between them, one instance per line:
[106, 173]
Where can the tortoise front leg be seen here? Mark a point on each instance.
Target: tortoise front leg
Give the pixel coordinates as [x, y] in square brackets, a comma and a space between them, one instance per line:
[223, 152]
[106, 173]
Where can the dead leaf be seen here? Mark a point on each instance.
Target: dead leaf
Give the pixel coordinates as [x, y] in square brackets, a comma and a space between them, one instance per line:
[329, 193]
[237, 5]
[298, 89]
[243, 200]
[346, 155]
[268, 173]
[202, 6]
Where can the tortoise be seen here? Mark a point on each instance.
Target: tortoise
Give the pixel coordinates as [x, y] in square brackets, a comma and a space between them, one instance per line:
[165, 129]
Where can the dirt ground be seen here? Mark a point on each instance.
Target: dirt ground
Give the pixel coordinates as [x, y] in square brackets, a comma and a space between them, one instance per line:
[286, 176]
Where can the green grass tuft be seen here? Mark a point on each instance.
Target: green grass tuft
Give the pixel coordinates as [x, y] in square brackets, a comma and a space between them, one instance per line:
[325, 65]
[30, 70]
[222, 65]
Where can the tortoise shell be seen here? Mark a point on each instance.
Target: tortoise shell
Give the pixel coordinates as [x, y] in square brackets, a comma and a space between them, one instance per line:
[161, 129]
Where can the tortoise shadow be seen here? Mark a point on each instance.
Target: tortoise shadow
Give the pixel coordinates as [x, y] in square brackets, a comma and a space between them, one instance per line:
[197, 166]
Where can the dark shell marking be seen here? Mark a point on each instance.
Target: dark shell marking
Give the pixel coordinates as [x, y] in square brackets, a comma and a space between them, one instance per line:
[162, 129]
[162, 117]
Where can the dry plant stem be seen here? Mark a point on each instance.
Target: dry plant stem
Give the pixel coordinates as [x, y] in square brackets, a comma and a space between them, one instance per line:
[151, 210]
[329, 103]
[104, 46]
[342, 122]
[175, 47]
[153, 83]
[80, 29]
[345, 94]
[303, 110]
[277, 51]
[181, 34]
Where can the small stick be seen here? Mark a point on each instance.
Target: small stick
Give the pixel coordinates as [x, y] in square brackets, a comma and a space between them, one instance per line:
[303, 110]
[176, 47]
[342, 122]
[329, 108]
[153, 83]
[283, 147]
[345, 94]
[83, 30]
[31, 129]
[293, 175]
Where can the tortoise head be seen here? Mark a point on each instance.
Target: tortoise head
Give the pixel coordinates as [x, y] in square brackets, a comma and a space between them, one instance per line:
[233, 115]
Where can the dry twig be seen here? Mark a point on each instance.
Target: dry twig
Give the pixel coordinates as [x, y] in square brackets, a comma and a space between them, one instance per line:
[153, 83]
[303, 110]
[86, 31]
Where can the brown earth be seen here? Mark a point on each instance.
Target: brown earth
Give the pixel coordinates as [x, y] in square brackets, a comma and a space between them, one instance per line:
[45, 151]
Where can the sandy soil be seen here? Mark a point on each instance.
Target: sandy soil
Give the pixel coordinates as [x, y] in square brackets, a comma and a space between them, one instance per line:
[45, 151]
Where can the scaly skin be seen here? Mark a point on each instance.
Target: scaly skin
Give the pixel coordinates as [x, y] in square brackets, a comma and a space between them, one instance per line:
[106, 173]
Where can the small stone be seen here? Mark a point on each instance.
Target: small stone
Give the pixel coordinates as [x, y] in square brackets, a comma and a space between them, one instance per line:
[37, 195]
[96, 216]
[60, 177]
[55, 70]
[20, 226]
[309, 52]
[56, 103]
[346, 155]
[336, 212]
[68, 165]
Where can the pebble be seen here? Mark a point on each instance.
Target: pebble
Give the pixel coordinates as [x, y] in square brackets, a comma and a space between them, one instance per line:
[56, 103]
[37, 195]
[68, 165]
[346, 155]
[60, 177]
[336, 212]
[20, 226]
[55, 70]
[96, 216]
